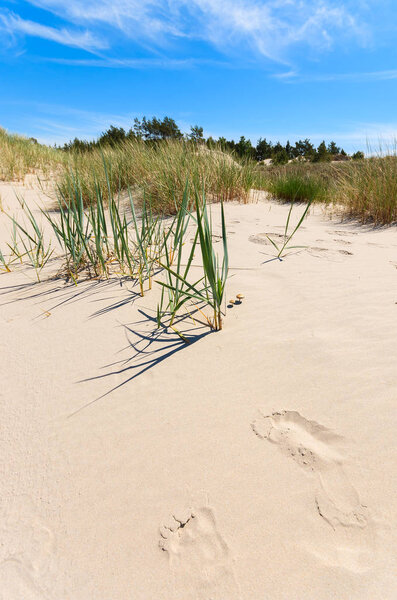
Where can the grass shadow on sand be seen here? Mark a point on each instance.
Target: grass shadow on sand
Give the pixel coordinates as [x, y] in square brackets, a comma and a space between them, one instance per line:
[150, 348]
[65, 293]
[147, 345]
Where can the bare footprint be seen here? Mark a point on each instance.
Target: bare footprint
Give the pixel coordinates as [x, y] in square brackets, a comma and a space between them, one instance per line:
[340, 241]
[320, 452]
[320, 252]
[27, 551]
[342, 233]
[261, 238]
[198, 552]
[16, 583]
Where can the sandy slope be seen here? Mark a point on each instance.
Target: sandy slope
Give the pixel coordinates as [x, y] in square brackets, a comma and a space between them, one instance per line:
[255, 464]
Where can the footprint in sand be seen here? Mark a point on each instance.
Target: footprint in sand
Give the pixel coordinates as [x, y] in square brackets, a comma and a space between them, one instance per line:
[198, 554]
[320, 452]
[344, 242]
[26, 552]
[342, 233]
[320, 252]
[17, 583]
[261, 238]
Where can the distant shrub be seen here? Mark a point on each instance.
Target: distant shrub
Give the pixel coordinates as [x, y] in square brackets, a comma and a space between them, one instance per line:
[299, 187]
[358, 155]
[281, 157]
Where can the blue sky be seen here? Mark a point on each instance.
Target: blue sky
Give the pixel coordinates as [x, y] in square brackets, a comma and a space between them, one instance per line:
[280, 69]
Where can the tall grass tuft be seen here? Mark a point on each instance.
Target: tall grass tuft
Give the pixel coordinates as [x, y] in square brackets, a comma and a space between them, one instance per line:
[209, 289]
[30, 236]
[282, 248]
[300, 187]
[368, 191]
[176, 291]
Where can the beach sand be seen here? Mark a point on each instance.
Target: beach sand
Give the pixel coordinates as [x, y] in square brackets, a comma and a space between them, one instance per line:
[257, 463]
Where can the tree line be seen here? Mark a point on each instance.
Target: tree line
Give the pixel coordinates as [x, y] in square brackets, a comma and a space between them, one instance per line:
[156, 130]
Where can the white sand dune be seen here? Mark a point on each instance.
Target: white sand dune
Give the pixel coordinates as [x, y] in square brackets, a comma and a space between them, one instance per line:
[257, 463]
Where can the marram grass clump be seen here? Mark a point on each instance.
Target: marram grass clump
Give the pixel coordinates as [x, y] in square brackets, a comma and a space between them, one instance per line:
[369, 190]
[209, 288]
[20, 155]
[159, 170]
[110, 239]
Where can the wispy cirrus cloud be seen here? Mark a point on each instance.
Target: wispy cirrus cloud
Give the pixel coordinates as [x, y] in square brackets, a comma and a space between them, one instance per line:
[266, 28]
[272, 28]
[56, 123]
[357, 77]
[138, 63]
[13, 24]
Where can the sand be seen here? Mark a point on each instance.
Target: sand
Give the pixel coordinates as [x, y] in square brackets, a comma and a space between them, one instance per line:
[257, 463]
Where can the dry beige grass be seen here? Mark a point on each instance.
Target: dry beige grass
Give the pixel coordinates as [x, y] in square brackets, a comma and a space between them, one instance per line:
[160, 170]
[20, 156]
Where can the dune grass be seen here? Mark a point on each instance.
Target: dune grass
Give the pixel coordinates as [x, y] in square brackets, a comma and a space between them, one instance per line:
[209, 289]
[369, 190]
[298, 187]
[28, 244]
[20, 155]
[300, 182]
[287, 237]
[107, 238]
[159, 170]
[363, 189]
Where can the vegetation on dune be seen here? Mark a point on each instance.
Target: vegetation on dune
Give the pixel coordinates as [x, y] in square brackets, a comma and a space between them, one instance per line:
[303, 181]
[369, 191]
[363, 189]
[160, 170]
[20, 155]
[154, 158]
[287, 236]
[209, 289]
[108, 239]
[300, 187]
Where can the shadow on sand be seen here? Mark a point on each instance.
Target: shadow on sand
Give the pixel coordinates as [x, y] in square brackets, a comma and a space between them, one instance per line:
[147, 345]
[149, 348]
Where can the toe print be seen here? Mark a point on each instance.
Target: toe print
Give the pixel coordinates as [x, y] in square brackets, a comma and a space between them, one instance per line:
[195, 547]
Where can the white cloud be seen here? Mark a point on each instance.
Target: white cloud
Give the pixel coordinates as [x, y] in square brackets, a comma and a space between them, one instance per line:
[58, 124]
[271, 28]
[266, 27]
[363, 77]
[135, 18]
[13, 24]
[137, 63]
